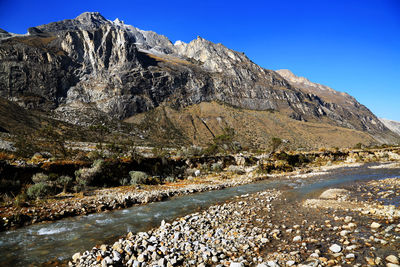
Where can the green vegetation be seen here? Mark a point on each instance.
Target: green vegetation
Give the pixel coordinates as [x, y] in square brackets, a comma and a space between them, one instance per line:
[224, 143]
[275, 144]
[85, 176]
[64, 181]
[138, 177]
[56, 141]
[40, 178]
[38, 190]
[358, 146]
[216, 167]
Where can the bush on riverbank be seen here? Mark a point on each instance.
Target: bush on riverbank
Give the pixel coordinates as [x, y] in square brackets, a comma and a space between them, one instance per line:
[38, 190]
[138, 177]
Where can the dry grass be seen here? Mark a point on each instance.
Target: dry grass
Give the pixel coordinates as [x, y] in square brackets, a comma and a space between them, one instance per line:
[200, 123]
[6, 156]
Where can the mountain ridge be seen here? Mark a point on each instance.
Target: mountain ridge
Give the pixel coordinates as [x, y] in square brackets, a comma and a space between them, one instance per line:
[119, 70]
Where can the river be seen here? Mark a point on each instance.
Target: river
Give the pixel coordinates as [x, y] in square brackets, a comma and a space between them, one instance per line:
[37, 244]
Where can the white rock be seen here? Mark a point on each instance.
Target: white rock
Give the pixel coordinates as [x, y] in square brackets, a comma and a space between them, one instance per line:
[314, 255]
[334, 193]
[76, 257]
[290, 263]
[375, 225]
[272, 264]
[344, 233]
[236, 264]
[297, 238]
[392, 259]
[348, 219]
[335, 248]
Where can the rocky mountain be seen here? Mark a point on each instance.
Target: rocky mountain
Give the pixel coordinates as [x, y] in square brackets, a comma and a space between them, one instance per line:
[394, 126]
[91, 68]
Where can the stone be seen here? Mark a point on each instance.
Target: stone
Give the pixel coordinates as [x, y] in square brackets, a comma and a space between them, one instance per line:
[335, 248]
[236, 264]
[76, 257]
[334, 193]
[392, 259]
[370, 261]
[141, 258]
[272, 264]
[290, 263]
[375, 225]
[297, 238]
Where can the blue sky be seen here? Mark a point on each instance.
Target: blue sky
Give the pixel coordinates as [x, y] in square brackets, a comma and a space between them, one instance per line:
[351, 46]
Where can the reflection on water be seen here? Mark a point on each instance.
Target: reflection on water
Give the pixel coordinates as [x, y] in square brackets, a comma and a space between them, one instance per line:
[59, 240]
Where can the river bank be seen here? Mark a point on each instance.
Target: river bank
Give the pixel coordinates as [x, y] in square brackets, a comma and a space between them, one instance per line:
[52, 244]
[103, 200]
[270, 228]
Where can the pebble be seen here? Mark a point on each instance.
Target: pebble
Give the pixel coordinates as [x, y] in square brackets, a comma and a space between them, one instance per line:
[392, 259]
[297, 238]
[335, 248]
[375, 225]
[237, 233]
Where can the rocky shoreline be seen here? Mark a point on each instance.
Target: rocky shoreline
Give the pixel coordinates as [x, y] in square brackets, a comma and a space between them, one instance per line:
[264, 229]
[103, 200]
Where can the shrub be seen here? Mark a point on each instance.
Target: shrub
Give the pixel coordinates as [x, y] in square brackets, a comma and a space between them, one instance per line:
[40, 178]
[38, 190]
[64, 181]
[223, 143]
[191, 171]
[124, 181]
[275, 143]
[216, 167]
[85, 176]
[20, 199]
[235, 169]
[170, 179]
[191, 151]
[138, 177]
[358, 146]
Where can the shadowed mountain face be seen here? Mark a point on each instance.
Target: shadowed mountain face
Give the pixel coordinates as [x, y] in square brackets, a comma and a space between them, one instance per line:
[87, 66]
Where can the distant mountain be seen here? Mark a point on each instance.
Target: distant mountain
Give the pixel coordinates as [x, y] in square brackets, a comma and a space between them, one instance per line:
[394, 126]
[89, 68]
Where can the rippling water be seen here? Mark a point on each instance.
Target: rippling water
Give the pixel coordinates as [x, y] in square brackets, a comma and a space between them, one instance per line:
[61, 239]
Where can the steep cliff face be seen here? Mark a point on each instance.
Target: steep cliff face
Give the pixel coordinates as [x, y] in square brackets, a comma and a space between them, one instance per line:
[90, 65]
[392, 125]
[340, 107]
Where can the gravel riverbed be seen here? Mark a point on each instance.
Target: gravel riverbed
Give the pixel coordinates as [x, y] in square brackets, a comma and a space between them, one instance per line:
[268, 228]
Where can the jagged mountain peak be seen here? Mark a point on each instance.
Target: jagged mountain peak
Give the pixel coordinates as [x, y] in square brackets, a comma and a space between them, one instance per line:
[288, 74]
[325, 92]
[85, 21]
[119, 70]
[4, 34]
[92, 17]
[391, 124]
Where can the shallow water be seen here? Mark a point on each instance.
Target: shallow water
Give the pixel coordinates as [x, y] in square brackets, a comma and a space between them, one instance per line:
[61, 239]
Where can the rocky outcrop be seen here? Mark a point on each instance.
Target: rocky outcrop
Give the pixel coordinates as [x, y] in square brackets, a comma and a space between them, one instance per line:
[91, 63]
[394, 126]
[340, 107]
[4, 34]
